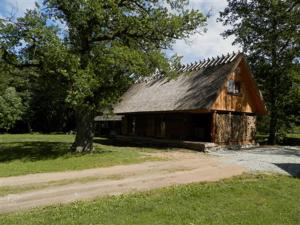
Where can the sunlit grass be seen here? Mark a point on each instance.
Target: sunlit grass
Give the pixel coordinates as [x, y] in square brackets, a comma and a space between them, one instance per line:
[246, 200]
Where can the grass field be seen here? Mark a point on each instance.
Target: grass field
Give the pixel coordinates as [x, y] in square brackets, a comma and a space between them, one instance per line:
[35, 153]
[294, 132]
[245, 200]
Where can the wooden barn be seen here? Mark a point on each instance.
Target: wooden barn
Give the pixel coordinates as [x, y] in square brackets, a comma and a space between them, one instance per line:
[215, 100]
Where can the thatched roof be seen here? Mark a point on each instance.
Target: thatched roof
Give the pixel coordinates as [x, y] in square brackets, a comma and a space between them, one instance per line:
[195, 88]
[108, 117]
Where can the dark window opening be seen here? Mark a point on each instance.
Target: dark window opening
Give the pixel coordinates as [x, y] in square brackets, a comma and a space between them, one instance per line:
[133, 125]
[233, 87]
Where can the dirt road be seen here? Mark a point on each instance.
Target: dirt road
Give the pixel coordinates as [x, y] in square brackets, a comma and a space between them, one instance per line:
[178, 168]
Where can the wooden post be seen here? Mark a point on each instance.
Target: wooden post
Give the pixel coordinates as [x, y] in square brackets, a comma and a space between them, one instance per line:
[134, 125]
[245, 127]
[213, 126]
[124, 125]
[230, 127]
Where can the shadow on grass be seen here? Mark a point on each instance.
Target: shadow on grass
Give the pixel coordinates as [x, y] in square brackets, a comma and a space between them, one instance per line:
[291, 141]
[43, 150]
[33, 151]
[133, 144]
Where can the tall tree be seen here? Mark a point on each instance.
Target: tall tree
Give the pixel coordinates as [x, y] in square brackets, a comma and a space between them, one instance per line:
[30, 53]
[269, 33]
[11, 108]
[107, 45]
[12, 98]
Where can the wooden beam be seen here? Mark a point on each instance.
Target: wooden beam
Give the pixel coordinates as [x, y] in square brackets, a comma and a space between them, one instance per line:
[230, 127]
[213, 126]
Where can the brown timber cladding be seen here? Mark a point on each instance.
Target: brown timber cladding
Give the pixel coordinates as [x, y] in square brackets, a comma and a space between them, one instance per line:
[241, 102]
[231, 128]
[181, 126]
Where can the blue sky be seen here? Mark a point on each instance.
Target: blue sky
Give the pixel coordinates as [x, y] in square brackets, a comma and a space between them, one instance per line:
[196, 47]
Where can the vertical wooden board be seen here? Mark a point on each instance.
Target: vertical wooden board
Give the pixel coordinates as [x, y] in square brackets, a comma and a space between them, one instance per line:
[157, 130]
[237, 129]
[163, 128]
[131, 125]
[213, 126]
[251, 128]
[150, 126]
[125, 125]
[142, 125]
[245, 124]
[242, 102]
[223, 128]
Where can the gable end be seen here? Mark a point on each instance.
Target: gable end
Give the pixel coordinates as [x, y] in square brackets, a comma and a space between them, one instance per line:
[245, 97]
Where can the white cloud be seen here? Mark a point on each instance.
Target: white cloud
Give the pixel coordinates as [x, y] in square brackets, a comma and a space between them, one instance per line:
[15, 7]
[210, 43]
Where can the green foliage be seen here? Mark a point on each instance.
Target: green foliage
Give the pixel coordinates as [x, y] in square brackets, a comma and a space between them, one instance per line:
[49, 111]
[30, 56]
[107, 45]
[269, 33]
[252, 200]
[11, 108]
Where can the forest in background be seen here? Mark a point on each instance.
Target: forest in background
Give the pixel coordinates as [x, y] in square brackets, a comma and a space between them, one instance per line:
[41, 81]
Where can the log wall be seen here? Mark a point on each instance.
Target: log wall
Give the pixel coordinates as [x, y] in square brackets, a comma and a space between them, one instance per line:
[235, 128]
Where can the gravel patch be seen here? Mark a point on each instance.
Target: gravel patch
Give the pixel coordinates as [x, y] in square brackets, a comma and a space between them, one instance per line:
[273, 159]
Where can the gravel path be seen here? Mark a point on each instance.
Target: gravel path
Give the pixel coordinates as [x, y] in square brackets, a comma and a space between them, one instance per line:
[273, 159]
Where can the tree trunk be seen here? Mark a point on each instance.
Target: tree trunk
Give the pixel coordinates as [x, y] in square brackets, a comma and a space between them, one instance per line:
[29, 127]
[272, 129]
[273, 96]
[84, 131]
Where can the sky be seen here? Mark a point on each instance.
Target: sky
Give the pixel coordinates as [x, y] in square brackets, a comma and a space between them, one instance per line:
[197, 47]
[15, 7]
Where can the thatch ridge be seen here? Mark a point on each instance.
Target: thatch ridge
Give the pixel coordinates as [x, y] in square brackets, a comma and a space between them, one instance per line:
[195, 88]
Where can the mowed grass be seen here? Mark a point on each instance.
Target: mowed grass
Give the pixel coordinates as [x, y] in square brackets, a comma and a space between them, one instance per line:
[294, 133]
[246, 200]
[37, 153]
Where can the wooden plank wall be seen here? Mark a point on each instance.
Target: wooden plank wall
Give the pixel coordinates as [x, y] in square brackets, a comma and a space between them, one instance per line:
[235, 129]
[178, 126]
[222, 128]
[237, 103]
[124, 125]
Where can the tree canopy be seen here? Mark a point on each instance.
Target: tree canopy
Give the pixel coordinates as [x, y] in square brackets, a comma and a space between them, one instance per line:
[11, 108]
[269, 33]
[106, 45]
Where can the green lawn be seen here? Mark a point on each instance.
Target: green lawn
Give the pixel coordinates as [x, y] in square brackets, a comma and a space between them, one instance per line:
[294, 136]
[294, 132]
[245, 200]
[36, 153]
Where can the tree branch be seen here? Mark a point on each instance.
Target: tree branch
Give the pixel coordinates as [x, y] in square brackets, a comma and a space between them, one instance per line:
[8, 59]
